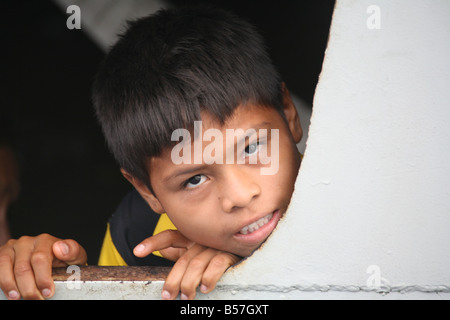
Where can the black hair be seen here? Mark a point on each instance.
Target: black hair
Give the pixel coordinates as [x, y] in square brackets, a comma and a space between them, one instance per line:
[167, 68]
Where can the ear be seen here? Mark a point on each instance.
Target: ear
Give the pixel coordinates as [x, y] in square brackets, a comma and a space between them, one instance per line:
[145, 193]
[291, 114]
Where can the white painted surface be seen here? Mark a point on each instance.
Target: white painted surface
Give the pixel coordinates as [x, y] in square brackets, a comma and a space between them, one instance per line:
[374, 186]
[108, 290]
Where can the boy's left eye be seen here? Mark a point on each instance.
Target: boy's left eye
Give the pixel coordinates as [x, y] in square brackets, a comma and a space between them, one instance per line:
[251, 149]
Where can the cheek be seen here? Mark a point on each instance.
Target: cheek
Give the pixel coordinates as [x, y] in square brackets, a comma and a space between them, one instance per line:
[278, 189]
[287, 173]
[193, 219]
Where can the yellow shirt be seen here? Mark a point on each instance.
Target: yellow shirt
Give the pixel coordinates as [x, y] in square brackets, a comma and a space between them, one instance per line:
[109, 256]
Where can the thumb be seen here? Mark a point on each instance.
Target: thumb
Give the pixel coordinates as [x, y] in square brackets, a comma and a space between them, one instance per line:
[68, 252]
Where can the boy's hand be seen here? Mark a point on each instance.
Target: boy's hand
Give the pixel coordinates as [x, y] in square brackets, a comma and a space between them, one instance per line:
[26, 265]
[196, 265]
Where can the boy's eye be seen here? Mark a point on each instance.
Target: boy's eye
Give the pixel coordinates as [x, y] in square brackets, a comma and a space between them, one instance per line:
[251, 149]
[195, 181]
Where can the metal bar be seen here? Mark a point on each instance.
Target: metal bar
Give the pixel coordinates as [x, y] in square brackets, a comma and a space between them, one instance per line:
[103, 273]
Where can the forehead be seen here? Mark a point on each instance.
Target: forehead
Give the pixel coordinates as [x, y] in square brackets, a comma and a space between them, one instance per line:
[244, 117]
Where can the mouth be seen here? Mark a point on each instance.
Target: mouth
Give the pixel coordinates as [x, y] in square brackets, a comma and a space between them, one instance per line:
[257, 231]
[256, 225]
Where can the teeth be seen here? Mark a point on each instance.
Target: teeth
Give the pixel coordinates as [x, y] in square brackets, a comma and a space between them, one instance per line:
[256, 225]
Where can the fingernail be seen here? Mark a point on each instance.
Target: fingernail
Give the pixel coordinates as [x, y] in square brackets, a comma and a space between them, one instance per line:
[13, 294]
[64, 248]
[165, 295]
[183, 296]
[203, 288]
[46, 293]
[139, 248]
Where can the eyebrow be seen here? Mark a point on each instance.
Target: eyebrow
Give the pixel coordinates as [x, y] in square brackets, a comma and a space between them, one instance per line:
[182, 172]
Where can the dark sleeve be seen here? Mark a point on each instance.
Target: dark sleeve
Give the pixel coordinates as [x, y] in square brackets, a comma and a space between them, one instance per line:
[133, 222]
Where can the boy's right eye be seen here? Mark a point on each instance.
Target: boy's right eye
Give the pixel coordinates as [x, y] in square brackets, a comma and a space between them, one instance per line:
[195, 181]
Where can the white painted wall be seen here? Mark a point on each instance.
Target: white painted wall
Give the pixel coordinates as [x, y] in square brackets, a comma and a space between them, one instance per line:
[374, 186]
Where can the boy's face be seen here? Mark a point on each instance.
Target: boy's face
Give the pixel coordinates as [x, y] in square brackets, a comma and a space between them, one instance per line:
[230, 206]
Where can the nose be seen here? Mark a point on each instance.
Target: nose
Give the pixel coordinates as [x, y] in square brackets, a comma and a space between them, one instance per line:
[238, 189]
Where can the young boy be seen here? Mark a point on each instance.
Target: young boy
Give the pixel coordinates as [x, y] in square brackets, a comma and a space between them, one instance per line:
[203, 128]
